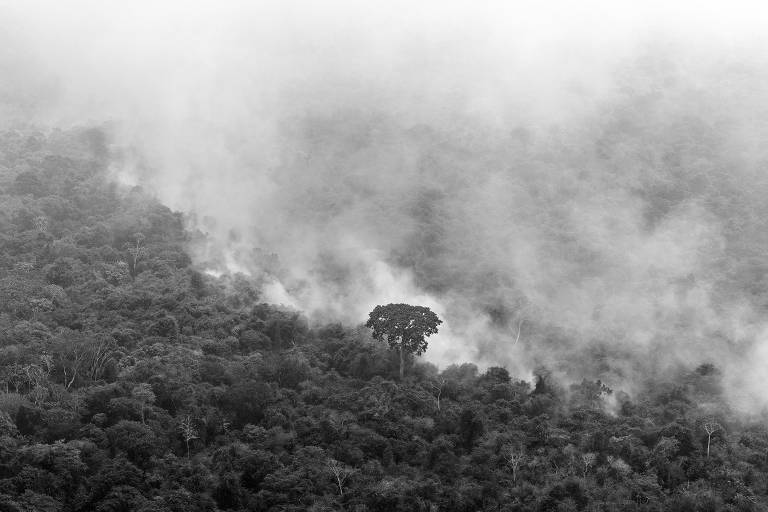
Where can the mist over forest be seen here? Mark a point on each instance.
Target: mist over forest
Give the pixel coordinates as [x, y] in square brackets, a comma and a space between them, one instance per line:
[597, 189]
[577, 191]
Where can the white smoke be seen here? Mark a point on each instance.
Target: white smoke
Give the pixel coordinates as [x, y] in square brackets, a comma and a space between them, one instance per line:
[439, 153]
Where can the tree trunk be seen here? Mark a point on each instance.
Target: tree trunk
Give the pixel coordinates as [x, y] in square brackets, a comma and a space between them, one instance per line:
[709, 438]
[402, 362]
[72, 380]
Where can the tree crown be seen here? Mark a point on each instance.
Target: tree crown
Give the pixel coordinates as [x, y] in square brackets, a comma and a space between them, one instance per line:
[403, 325]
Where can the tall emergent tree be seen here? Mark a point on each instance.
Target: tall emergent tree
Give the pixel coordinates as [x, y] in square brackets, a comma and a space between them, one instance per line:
[405, 328]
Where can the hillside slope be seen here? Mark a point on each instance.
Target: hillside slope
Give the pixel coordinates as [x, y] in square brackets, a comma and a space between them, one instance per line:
[131, 380]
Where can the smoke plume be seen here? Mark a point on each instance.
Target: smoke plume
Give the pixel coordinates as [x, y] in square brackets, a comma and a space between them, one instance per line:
[578, 186]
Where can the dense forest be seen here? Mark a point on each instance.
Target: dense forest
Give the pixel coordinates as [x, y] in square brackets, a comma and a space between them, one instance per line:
[133, 380]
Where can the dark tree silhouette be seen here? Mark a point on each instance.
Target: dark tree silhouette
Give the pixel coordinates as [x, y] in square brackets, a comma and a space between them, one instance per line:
[405, 328]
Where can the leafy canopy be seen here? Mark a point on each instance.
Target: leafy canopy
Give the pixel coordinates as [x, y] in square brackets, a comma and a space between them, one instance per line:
[404, 326]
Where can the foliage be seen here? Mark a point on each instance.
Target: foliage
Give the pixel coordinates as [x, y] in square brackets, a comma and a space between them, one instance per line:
[131, 380]
[404, 327]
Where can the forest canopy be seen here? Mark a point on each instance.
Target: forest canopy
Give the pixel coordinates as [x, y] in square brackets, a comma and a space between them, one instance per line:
[201, 203]
[144, 383]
